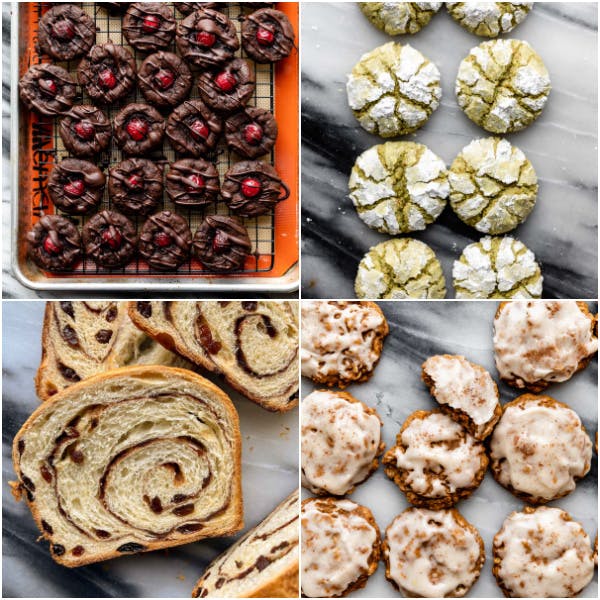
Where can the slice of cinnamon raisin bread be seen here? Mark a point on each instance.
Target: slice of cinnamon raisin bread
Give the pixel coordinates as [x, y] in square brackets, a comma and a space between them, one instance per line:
[262, 564]
[254, 344]
[80, 339]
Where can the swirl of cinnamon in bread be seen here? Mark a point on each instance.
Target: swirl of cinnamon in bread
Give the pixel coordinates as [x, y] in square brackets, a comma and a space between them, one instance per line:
[131, 460]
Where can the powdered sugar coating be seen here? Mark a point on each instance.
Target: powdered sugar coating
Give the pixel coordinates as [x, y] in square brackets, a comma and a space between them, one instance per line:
[489, 19]
[397, 18]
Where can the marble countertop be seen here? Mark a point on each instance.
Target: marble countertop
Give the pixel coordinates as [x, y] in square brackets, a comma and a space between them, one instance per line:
[562, 145]
[269, 474]
[419, 330]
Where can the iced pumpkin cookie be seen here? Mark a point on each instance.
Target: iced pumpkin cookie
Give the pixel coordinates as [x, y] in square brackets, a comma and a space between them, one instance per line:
[539, 449]
[432, 553]
[538, 343]
[502, 85]
[497, 267]
[340, 547]
[341, 341]
[465, 391]
[493, 187]
[489, 19]
[341, 441]
[400, 268]
[393, 90]
[397, 18]
[398, 187]
[435, 461]
[542, 553]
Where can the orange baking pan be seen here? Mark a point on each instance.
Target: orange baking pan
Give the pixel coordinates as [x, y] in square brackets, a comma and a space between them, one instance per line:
[36, 146]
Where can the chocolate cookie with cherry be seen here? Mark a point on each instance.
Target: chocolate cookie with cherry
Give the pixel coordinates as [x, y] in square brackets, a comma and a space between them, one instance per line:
[193, 128]
[109, 239]
[222, 243]
[267, 35]
[165, 79]
[251, 132]
[207, 38]
[47, 89]
[165, 241]
[76, 186]
[54, 243]
[229, 88]
[66, 32]
[193, 182]
[135, 186]
[139, 129]
[149, 26]
[107, 73]
[186, 8]
[85, 130]
[252, 188]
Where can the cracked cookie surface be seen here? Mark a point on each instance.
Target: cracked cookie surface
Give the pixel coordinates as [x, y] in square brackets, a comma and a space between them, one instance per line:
[493, 187]
[400, 268]
[497, 267]
[393, 90]
[502, 85]
[489, 19]
[398, 187]
[396, 18]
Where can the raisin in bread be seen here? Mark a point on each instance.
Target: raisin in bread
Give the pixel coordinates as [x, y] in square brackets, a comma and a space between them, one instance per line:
[264, 563]
[253, 344]
[80, 339]
[131, 460]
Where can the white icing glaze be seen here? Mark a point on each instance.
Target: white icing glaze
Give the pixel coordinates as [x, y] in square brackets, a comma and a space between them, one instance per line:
[544, 556]
[429, 449]
[337, 338]
[461, 384]
[336, 548]
[546, 341]
[340, 440]
[431, 554]
[543, 447]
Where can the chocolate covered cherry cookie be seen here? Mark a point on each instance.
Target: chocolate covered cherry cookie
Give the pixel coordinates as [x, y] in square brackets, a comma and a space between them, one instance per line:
[54, 243]
[85, 130]
[251, 188]
[193, 182]
[109, 239]
[185, 8]
[228, 89]
[139, 129]
[164, 79]
[267, 35]
[135, 186]
[76, 186]
[193, 128]
[251, 132]
[47, 89]
[165, 240]
[149, 26]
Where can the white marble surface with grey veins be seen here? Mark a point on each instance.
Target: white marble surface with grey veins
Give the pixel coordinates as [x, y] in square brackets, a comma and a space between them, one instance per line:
[561, 144]
[419, 330]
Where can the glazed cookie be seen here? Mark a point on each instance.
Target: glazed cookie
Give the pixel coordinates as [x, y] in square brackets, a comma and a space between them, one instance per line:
[149, 26]
[341, 341]
[432, 553]
[538, 343]
[435, 462]
[497, 267]
[165, 240]
[193, 182]
[399, 187]
[542, 553]
[340, 547]
[465, 392]
[267, 35]
[85, 130]
[393, 90]
[398, 18]
[502, 85]
[489, 19]
[165, 79]
[193, 129]
[400, 268]
[539, 449]
[139, 129]
[47, 89]
[54, 243]
[135, 186]
[341, 441]
[110, 239]
[229, 89]
[493, 187]
[251, 132]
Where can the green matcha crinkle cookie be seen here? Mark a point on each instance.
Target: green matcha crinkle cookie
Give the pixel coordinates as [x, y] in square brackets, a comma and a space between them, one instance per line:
[489, 19]
[393, 90]
[497, 267]
[400, 268]
[398, 187]
[493, 186]
[502, 85]
[396, 18]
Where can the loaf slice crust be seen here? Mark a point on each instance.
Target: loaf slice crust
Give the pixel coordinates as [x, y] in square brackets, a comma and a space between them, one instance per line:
[81, 339]
[132, 460]
[254, 344]
[264, 563]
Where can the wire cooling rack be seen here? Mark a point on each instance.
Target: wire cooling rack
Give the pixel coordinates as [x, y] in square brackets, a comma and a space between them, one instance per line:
[48, 149]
